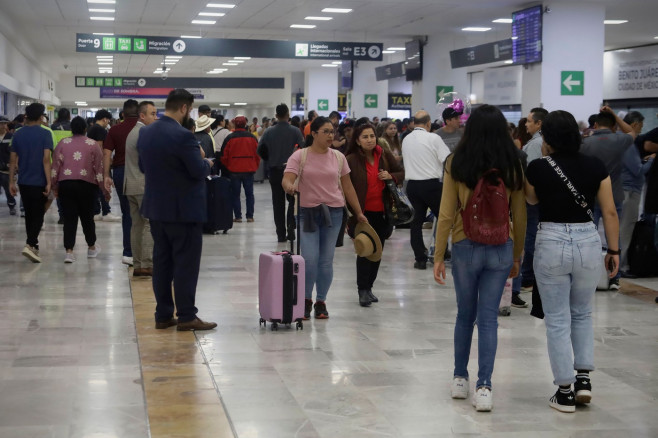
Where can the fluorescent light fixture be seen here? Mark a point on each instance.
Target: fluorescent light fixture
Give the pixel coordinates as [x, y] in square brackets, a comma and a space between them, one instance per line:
[502, 20]
[241, 57]
[204, 21]
[104, 56]
[337, 62]
[395, 48]
[168, 63]
[224, 104]
[319, 18]
[336, 10]
[81, 104]
[220, 5]
[102, 2]
[109, 11]
[615, 21]
[475, 29]
[240, 103]
[214, 72]
[655, 38]
[230, 63]
[239, 61]
[105, 63]
[509, 61]
[303, 26]
[388, 51]
[173, 57]
[329, 65]
[102, 18]
[102, 33]
[80, 101]
[211, 14]
[190, 36]
[515, 38]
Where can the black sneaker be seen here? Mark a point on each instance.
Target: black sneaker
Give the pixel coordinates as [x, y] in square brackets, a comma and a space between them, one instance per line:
[518, 302]
[583, 389]
[321, 310]
[614, 284]
[420, 265]
[563, 402]
[308, 306]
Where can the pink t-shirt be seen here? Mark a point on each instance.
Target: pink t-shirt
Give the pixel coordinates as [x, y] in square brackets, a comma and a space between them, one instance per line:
[319, 183]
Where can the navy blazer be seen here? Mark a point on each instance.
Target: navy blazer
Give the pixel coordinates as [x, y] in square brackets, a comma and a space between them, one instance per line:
[174, 171]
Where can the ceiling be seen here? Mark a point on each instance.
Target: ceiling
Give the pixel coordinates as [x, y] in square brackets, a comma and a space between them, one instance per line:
[389, 21]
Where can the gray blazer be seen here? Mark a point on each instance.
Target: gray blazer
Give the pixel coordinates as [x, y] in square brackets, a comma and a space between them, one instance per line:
[133, 178]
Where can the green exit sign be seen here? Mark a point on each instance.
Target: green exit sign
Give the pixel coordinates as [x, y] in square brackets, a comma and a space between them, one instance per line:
[572, 83]
[323, 104]
[370, 101]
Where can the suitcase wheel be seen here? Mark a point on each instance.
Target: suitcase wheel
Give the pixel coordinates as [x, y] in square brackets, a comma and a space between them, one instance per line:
[300, 325]
[275, 326]
[225, 232]
[262, 322]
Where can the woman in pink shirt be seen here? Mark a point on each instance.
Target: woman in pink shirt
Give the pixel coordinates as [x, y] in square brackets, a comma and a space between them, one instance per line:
[77, 173]
[321, 172]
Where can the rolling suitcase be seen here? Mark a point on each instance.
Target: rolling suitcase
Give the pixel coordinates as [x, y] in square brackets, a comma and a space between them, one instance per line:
[220, 213]
[281, 280]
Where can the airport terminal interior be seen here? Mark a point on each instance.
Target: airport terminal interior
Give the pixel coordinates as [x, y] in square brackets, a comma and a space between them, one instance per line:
[79, 353]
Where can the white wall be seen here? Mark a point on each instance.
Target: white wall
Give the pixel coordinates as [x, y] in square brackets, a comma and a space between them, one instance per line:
[320, 83]
[365, 82]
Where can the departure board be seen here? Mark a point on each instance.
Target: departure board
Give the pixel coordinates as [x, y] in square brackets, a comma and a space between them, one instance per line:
[526, 35]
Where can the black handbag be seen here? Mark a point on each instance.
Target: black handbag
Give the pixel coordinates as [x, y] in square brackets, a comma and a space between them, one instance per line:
[396, 205]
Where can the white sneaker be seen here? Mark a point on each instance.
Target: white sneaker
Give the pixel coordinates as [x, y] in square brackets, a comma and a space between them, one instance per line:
[70, 258]
[111, 218]
[483, 399]
[98, 217]
[93, 253]
[459, 388]
[31, 253]
[127, 260]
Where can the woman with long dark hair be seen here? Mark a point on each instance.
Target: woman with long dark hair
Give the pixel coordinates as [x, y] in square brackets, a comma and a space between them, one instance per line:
[567, 259]
[479, 270]
[388, 130]
[370, 166]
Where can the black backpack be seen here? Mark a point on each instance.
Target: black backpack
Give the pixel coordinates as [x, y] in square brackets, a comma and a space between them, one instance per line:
[642, 254]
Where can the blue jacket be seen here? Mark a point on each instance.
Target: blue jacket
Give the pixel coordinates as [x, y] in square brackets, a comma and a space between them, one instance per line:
[634, 171]
[175, 187]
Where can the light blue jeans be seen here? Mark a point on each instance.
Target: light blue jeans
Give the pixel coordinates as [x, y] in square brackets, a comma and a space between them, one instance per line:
[567, 269]
[479, 272]
[318, 251]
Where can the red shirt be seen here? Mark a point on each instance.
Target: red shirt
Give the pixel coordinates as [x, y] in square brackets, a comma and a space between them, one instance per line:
[116, 140]
[374, 199]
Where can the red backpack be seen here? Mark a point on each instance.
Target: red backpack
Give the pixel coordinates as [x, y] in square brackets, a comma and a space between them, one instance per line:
[486, 215]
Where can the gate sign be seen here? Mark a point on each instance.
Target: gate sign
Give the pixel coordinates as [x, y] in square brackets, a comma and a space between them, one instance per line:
[163, 45]
[398, 101]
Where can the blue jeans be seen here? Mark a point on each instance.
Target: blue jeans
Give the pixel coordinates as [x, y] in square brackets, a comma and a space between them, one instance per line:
[245, 180]
[597, 218]
[126, 222]
[100, 204]
[479, 272]
[567, 270]
[527, 276]
[318, 251]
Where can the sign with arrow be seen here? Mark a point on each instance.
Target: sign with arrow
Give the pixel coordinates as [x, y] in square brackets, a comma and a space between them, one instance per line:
[442, 90]
[572, 83]
[370, 101]
[323, 104]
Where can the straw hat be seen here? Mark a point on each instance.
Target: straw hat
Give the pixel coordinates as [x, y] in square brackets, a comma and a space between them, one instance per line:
[367, 243]
[203, 122]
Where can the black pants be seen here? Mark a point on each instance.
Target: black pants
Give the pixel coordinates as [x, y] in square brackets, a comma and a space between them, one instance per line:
[279, 197]
[176, 258]
[35, 208]
[77, 198]
[4, 182]
[366, 271]
[423, 194]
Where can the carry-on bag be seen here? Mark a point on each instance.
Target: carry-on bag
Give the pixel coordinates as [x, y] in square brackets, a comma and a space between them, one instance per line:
[220, 213]
[642, 254]
[281, 286]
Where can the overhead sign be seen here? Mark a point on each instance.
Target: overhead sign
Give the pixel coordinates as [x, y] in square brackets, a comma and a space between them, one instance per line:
[156, 82]
[323, 104]
[162, 45]
[573, 83]
[482, 54]
[142, 93]
[631, 73]
[342, 103]
[370, 101]
[502, 86]
[399, 101]
[390, 71]
[442, 90]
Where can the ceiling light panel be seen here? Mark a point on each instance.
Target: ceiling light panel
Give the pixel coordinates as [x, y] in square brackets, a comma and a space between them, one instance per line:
[204, 21]
[220, 5]
[190, 36]
[615, 21]
[303, 26]
[336, 11]
[102, 18]
[101, 2]
[319, 18]
[476, 29]
[104, 11]
[211, 14]
[502, 20]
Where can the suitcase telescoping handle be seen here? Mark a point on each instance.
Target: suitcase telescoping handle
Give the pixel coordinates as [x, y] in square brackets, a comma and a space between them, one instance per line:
[297, 232]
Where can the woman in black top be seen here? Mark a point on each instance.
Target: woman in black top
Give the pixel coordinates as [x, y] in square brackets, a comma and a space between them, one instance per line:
[568, 251]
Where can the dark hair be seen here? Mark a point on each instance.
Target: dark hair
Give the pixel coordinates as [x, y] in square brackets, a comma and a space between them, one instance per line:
[362, 121]
[485, 145]
[177, 98]
[634, 117]
[421, 120]
[394, 142]
[522, 133]
[282, 110]
[591, 120]
[538, 114]
[353, 147]
[294, 121]
[34, 111]
[190, 124]
[311, 113]
[318, 122]
[143, 106]
[561, 132]
[335, 114]
[102, 114]
[130, 108]
[606, 119]
[20, 118]
[78, 126]
[63, 114]
[218, 119]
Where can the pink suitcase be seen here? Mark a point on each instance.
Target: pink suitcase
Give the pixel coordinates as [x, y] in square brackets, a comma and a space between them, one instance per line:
[281, 289]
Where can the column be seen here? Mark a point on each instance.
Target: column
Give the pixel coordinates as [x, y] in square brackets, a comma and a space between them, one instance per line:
[369, 96]
[321, 90]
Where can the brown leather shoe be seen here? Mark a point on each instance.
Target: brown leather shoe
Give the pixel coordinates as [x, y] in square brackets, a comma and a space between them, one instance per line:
[195, 324]
[145, 272]
[161, 325]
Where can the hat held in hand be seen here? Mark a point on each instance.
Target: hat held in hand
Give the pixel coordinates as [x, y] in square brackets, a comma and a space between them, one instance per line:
[367, 243]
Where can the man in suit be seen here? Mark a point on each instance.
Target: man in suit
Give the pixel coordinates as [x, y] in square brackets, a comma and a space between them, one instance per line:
[175, 204]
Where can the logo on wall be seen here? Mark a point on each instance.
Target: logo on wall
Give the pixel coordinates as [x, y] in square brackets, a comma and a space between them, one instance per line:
[374, 52]
[179, 46]
[141, 82]
[301, 49]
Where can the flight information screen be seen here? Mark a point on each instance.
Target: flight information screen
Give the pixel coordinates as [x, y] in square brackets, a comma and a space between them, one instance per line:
[526, 35]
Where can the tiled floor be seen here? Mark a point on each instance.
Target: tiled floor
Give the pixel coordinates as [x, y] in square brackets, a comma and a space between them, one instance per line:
[70, 361]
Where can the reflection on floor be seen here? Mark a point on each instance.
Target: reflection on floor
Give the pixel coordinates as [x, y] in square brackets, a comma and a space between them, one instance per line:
[71, 349]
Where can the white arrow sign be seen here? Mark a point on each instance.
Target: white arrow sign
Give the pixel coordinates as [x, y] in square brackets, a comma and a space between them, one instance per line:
[322, 105]
[442, 93]
[370, 100]
[569, 82]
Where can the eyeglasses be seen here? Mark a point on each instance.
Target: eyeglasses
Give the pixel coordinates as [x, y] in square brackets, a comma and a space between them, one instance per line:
[326, 132]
